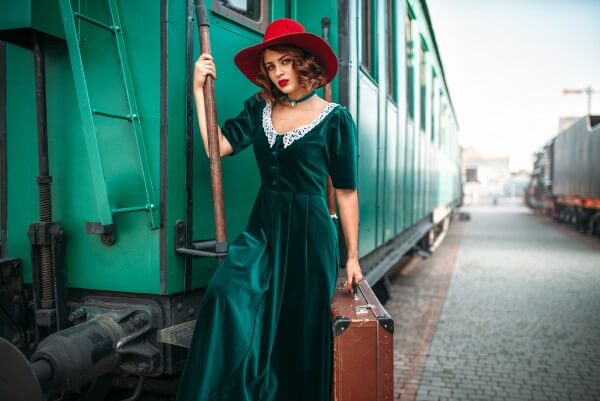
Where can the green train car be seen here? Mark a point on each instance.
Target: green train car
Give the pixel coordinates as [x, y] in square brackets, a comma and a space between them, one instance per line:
[105, 203]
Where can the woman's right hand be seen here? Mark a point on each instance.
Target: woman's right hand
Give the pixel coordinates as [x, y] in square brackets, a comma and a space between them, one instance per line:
[204, 66]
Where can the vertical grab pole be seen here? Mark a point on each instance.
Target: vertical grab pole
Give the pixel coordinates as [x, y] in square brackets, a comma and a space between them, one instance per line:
[213, 139]
[3, 151]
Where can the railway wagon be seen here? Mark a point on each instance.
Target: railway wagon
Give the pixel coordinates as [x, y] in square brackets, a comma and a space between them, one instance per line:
[565, 182]
[105, 213]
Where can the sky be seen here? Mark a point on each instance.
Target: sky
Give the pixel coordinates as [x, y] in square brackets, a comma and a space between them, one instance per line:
[506, 64]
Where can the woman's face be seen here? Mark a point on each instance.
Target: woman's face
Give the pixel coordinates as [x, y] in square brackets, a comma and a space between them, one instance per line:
[281, 72]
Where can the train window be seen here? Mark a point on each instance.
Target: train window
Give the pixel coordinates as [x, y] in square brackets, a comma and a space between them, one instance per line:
[471, 174]
[433, 110]
[410, 75]
[368, 54]
[441, 120]
[391, 50]
[423, 85]
[251, 13]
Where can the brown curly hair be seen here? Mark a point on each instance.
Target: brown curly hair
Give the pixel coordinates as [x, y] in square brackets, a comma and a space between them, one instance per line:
[311, 72]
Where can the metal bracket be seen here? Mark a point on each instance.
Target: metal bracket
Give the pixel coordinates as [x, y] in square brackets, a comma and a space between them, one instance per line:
[49, 319]
[198, 248]
[106, 232]
[13, 303]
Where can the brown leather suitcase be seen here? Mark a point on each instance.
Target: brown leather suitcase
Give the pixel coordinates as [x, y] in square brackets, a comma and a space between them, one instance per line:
[363, 356]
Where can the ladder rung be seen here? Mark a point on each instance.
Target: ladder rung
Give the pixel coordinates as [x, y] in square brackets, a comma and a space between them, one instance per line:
[128, 117]
[97, 23]
[143, 208]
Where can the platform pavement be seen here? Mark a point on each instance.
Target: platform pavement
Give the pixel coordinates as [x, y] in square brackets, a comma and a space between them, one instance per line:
[520, 319]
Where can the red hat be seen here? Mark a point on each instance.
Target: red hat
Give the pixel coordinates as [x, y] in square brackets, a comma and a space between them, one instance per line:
[286, 31]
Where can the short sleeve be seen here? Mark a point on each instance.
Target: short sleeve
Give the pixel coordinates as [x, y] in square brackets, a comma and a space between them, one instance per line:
[342, 150]
[240, 130]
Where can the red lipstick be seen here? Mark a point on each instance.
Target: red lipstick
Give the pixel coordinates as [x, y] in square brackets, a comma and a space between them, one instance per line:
[283, 82]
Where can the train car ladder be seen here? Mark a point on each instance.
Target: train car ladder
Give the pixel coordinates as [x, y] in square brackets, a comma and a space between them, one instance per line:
[88, 115]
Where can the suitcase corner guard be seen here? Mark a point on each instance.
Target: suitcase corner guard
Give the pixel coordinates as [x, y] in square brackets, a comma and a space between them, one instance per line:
[386, 322]
[340, 324]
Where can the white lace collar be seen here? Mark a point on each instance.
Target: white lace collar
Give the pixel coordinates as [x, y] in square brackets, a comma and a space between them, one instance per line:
[295, 134]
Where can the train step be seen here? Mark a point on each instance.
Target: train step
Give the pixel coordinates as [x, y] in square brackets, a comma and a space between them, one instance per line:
[179, 334]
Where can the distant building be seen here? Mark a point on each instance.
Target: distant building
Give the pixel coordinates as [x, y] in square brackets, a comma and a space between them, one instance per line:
[517, 184]
[484, 176]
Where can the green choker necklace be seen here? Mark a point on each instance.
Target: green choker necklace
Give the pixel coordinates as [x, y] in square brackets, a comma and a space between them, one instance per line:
[294, 102]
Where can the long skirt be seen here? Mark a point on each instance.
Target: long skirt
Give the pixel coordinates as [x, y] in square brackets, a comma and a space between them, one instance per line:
[264, 326]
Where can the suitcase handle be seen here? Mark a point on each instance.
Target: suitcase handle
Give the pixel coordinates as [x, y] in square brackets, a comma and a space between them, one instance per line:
[354, 288]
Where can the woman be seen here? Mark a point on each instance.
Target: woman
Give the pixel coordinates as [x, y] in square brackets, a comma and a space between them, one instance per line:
[263, 331]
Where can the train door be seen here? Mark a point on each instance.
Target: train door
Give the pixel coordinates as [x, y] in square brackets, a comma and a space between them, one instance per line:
[236, 25]
[368, 125]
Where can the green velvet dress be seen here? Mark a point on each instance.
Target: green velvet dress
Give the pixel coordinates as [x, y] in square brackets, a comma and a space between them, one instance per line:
[264, 328]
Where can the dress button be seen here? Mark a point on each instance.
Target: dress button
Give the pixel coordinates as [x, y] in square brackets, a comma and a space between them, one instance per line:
[274, 182]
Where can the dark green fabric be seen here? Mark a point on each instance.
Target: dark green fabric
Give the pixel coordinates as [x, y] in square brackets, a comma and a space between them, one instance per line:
[264, 329]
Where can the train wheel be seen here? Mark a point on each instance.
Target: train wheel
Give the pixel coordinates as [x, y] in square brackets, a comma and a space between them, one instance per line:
[16, 370]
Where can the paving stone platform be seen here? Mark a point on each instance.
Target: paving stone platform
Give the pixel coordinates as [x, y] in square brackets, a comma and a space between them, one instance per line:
[508, 308]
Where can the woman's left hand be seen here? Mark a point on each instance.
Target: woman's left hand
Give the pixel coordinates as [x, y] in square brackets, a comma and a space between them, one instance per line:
[353, 272]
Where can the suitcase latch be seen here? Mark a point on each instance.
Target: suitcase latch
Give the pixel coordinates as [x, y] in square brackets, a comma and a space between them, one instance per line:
[363, 309]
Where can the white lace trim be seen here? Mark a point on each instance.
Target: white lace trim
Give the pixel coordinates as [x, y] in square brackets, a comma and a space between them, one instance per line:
[295, 134]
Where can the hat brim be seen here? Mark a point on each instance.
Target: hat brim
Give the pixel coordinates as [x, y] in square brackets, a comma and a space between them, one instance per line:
[249, 64]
